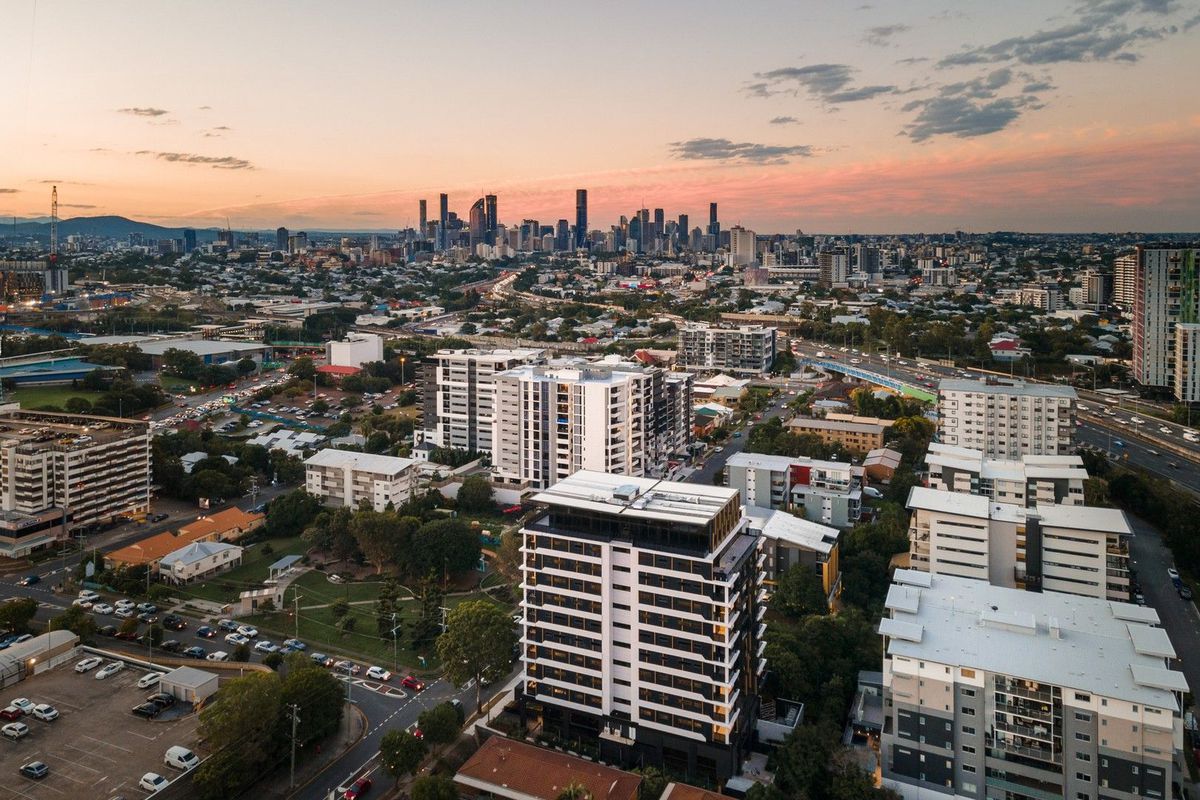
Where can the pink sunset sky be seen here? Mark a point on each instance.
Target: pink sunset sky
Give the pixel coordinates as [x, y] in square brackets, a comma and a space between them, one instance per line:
[834, 118]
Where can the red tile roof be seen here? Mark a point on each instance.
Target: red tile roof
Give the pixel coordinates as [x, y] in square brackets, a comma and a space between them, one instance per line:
[506, 768]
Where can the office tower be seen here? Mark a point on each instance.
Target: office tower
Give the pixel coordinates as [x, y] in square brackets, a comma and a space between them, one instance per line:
[743, 349]
[490, 218]
[1166, 294]
[189, 239]
[1042, 296]
[743, 246]
[1125, 281]
[633, 242]
[478, 223]
[658, 222]
[681, 230]
[562, 236]
[1073, 549]
[1007, 419]
[714, 227]
[866, 260]
[835, 268]
[641, 622]
[581, 218]
[348, 479]
[552, 421]
[281, 239]
[457, 395]
[828, 492]
[991, 692]
[696, 242]
[423, 217]
[443, 221]
[1027, 481]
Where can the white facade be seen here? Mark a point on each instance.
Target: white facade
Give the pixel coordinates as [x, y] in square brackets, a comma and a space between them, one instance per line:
[1187, 362]
[459, 394]
[345, 478]
[1072, 549]
[198, 560]
[356, 350]
[743, 350]
[1166, 294]
[620, 418]
[1125, 281]
[742, 246]
[1029, 481]
[1007, 420]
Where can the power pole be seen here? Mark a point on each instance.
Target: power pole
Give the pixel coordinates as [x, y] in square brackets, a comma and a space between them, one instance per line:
[296, 610]
[294, 709]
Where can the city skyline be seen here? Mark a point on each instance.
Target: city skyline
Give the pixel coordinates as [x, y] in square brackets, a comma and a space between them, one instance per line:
[897, 117]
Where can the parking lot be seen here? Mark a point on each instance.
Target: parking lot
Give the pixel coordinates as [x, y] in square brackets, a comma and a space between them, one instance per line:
[96, 749]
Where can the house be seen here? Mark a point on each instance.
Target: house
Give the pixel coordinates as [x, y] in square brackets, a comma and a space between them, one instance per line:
[229, 525]
[149, 551]
[881, 464]
[512, 770]
[199, 560]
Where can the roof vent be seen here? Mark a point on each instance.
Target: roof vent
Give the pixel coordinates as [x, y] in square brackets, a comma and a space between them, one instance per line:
[626, 492]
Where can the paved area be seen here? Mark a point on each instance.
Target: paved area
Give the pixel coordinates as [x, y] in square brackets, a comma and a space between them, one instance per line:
[96, 749]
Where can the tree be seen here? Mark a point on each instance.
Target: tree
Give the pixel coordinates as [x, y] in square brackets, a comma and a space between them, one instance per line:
[444, 546]
[129, 625]
[508, 556]
[477, 645]
[246, 365]
[476, 494]
[575, 791]
[439, 724]
[434, 787]
[76, 620]
[401, 753]
[241, 652]
[302, 368]
[291, 513]
[799, 592]
[654, 783]
[78, 405]
[319, 695]
[339, 608]
[241, 728]
[272, 660]
[183, 363]
[380, 536]
[15, 615]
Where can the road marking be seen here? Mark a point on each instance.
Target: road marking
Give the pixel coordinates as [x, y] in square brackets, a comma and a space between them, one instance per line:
[109, 744]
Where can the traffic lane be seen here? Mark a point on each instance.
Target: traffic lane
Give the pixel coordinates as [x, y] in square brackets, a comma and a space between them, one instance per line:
[1139, 455]
[715, 461]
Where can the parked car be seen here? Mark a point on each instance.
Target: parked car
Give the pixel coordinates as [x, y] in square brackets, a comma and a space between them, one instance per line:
[1173, 574]
[147, 710]
[102, 608]
[124, 604]
[147, 608]
[23, 703]
[123, 613]
[195, 652]
[147, 618]
[181, 758]
[170, 646]
[45, 712]
[249, 631]
[107, 630]
[174, 622]
[161, 699]
[236, 639]
[89, 596]
[227, 625]
[1185, 593]
[348, 667]
[35, 769]
[219, 655]
[108, 670]
[322, 659]
[149, 679]
[410, 682]
[15, 730]
[10, 713]
[153, 782]
[266, 646]
[295, 644]
[88, 664]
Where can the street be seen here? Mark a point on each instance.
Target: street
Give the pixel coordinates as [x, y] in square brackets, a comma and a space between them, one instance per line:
[714, 462]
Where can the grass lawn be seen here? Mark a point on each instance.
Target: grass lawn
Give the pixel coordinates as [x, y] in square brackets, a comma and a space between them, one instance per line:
[173, 383]
[35, 396]
[250, 574]
[315, 589]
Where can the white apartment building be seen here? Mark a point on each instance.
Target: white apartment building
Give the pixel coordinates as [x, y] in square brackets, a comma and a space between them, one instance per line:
[458, 395]
[641, 623]
[742, 246]
[1007, 419]
[346, 478]
[1166, 294]
[741, 350]
[617, 417]
[834, 268]
[357, 349]
[828, 492]
[1125, 281]
[1041, 296]
[85, 469]
[1028, 481]
[991, 692]
[1072, 549]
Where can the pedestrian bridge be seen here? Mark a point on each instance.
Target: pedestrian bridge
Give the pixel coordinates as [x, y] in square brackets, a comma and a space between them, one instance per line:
[886, 381]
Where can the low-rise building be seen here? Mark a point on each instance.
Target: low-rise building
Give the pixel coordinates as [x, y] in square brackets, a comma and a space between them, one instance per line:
[1074, 549]
[991, 692]
[857, 437]
[789, 540]
[229, 525]
[828, 492]
[1027, 481]
[198, 560]
[512, 770]
[355, 350]
[347, 478]
[881, 464]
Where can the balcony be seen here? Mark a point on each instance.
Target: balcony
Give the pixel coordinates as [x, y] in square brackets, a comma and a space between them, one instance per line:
[1024, 789]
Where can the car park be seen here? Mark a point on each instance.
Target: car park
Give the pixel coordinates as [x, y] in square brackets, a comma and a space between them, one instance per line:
[35, 769]
[149, 679]
[88, 664]
[110, 669]
[15, 730]
[45, 712]
[153, 782]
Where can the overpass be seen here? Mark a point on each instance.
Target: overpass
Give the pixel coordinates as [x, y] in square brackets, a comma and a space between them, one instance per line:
[886, 381]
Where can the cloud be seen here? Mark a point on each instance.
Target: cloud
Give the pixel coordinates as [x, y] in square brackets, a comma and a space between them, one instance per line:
[9, 191]
[1191, 23]
[216, 162]
[829, 83]
[913, 60]
[1037, 86]
[76, 205]
[960, 117]
[726, 150]
[861, 93]
[216, 132]
[366, 214]
[222, 128]
[784, 121]
[146, 111]
[205, 108]
[881, 35]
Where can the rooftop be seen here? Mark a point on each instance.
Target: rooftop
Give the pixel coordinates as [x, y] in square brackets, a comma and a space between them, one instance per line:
[1014, 388]
[835, 425]
[1081, 643]
[511, 769]
[970, 460]
[780, 463]
[366, 462]
[194, 552]
[189, 676]
[782, 526]
[683, 791]
[691, 503]
[222, 522]
[1079, 518]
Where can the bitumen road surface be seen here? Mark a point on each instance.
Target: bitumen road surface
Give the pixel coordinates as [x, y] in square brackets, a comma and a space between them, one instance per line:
[714, 460]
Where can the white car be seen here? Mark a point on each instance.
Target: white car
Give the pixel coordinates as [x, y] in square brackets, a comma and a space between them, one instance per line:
[265, 646]
[153, 782]
[249, 631]
[45, 713]
[82, 603]
[236, 639]
[87, 595]
[108, 670]
[379, 674]
[23, 703]
[149, 679]
[102, 608]
[219, 655]
[88, 664]
[1164, 429]
[126, 603]
[15, 730]
[123, 613]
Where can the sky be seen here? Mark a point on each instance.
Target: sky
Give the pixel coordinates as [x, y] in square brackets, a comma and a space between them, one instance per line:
[882, 116]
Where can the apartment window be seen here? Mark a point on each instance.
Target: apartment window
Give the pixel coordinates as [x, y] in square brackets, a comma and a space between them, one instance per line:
[970, 712]
[968, 768]
[968, 730]
[1082, 796]
[1083, 698]
[966, 748]
[1083, 776]
[1083, 756]
[1083, 717]
[620, 682]
[967, 692]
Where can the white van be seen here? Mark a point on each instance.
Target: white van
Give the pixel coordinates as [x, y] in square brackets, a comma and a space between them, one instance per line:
[181, 758]
[220, 655]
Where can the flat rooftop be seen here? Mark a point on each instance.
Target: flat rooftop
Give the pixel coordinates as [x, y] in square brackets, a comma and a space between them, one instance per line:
[648, 498]
[1014, 388]
[1079, 518]
[781, 463]
[1084, 643]
[785, 527]
[367, 462]
[969, 460]
[44, 429]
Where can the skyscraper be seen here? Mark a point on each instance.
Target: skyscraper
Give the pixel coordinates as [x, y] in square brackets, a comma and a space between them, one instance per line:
[658, 222]
[489, 218]
[281, 240]
[1166, 294]
[562, 235]
[443, 221]
[681, 229]
[714, 227]
[478, 223]
[581, 218]
[189, 239]
[421, 231]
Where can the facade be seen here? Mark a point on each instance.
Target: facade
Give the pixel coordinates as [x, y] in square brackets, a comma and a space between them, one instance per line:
[617, 417]
[356, 350]
[1125, 281]
[743, 350]
[581, 219]
[1072, 549]
[1186, 386]
[835, 268]
[84, 468]
[1007, 420]
[199, 560]
[788, 540]
[1045, 297]
[346, 478]
[996, 693]
[641, 621]
[457, 396]
[828, 492]
[742, 246]
[858, 436]
[1028, 481]
[1166, 294]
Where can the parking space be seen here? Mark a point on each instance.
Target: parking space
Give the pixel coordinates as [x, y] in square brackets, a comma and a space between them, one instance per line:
[97, 748]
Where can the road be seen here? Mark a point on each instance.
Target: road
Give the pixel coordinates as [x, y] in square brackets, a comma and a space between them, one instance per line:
[714, 462]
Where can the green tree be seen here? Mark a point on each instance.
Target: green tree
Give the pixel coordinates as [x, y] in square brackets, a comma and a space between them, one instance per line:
[476, 494]
[78, 405]
[15, 615]
[302, 368]
[317, 693]
[241, 728]
[654, 783]
[440, 724]
[382, 537]
[575, 791]
[444, 546]
[434, 787]
[129, 625]
[272, 660]
[241, 652]
[76, 620]
[799, 592]
[339, 608]
[477, 645]
[291, 513]
[246, 365]
[401, 753]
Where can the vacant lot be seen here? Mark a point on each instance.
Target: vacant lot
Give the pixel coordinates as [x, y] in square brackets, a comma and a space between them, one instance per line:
[96, 749]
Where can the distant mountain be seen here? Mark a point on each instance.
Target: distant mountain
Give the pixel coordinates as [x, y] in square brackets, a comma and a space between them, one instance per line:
[106, 226]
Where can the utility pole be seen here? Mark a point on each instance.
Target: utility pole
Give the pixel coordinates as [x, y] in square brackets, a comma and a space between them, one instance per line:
[150, 627]
[296, 611]
[395, 644]
[294, 709]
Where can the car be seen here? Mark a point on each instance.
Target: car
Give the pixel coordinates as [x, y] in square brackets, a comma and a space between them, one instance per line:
[236, 639]
[11, 713]
[226, 625]
[195, 652]
[219, 655]
[86, 605]
[30, 580]
[295, 644]
[107, 630]
[89, 595]
[205, 632]
[102, 608]
[128, 636]
[1185, 593]
[249, 631]
[124, 603]
[153, 782]
[23, 703]
[161, 699]
[147, 608]
[413, 683]
[1173, 464]
[174, 622]
[88, 664]
[158, 517]
[718, 449]
[35, 769]
[147, 710]
[379, 674]
[147, 618]
[348, 667]
[181, 758]
[45, 712]
[110, 669]
[357, 789]
[149, 679]
[123, 613]
[171, 646]
[322, 659]
[15, 730]
[266, 646]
